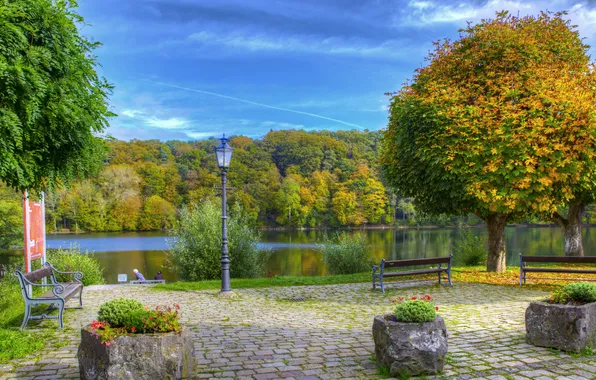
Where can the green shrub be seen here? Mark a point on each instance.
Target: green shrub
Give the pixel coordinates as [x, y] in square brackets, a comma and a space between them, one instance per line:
[469, 249]
[578, 292]
[73, 260]
[415, 310]
[162, 319]
[195, 250]
[120, 312]
[347, 253]
[559, 296]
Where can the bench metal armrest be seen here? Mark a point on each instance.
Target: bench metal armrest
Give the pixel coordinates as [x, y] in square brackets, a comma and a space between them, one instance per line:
[58, 289]
[78, 276]
[375, 268]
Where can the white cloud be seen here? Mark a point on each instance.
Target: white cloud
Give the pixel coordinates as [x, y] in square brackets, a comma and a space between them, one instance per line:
[281, 125]
[131, 113]
[171, 123]
[420, 4]
[585, 18]
[200, 135]
[426, 13]
[302, 43]
[154, 121]
[435, 12]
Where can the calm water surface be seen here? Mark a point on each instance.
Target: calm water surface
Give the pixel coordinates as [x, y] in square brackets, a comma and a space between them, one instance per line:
[295, 253]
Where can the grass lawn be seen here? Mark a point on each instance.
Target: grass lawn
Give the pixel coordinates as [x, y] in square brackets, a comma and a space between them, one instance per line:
[476, 274]
[15, 343]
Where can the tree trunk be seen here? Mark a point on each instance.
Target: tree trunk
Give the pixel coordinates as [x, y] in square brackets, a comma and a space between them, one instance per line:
[496, 242]
[572, 226]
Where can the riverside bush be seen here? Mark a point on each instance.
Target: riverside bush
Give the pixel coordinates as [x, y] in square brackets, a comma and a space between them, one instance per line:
[577, 292]
[120, 311]
[415, 310]
[347, 254]
[195, 250]
[73, 260]
[469, 249]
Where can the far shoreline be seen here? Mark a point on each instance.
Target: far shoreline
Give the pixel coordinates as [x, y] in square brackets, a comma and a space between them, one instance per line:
[346, 228]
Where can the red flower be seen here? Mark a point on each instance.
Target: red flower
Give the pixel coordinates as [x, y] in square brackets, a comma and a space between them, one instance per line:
[133, 329]
[414, 298]
[177, 307]
[436, 308]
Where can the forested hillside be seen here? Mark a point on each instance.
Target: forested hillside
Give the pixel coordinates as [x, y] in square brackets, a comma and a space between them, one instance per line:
[286, 179]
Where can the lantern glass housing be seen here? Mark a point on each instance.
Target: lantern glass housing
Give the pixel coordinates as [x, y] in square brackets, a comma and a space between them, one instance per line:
[223, 152]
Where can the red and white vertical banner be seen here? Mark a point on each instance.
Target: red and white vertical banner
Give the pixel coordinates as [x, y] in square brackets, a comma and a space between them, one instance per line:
[34, 230]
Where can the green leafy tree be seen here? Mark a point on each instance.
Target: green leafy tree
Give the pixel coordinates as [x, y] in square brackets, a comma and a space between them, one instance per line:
[499, 123]
[288, 201]
[11, 220]
[158, 214]
[52, 102]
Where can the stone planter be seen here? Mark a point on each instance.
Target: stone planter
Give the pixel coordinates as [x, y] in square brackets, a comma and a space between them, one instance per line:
[410, 348]
[564, 327]
[139, 356]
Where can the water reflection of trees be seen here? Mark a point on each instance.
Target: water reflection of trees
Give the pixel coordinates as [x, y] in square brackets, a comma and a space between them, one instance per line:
[295, 259]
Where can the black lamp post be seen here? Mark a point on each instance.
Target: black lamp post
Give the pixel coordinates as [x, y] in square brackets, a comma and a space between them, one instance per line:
[223, 152]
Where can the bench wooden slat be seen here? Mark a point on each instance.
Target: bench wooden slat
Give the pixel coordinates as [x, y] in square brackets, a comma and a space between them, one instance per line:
[559, 259]
[70, 289]
[37, 275]
[413, 262]
[559, 270]
[414, 272]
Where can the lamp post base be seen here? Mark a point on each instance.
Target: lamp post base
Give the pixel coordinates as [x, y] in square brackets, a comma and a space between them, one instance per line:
[227, 294]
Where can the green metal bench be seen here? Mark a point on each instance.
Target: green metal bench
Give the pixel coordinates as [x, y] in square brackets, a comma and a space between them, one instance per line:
[58, 295]
[524, 260]
[439, 270]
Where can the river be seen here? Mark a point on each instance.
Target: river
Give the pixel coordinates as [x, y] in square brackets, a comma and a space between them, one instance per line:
[295, 253]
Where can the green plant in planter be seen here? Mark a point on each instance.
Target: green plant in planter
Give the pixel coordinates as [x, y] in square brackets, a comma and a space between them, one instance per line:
[577, 293]
[415, 309]
[119, 311]
[124, 316]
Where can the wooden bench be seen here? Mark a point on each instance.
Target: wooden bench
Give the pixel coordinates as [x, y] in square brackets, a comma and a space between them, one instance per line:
[146, 282]
[524, 260]
[440, 269]
[59, 293]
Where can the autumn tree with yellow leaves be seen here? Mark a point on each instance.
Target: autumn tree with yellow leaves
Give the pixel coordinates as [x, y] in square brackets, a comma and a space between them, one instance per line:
[500, 122]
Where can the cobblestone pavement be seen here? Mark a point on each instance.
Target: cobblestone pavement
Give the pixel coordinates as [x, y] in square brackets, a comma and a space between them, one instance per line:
[261, 334]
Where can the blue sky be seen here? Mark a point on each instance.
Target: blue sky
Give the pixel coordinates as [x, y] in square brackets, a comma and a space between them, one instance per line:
[191, 69]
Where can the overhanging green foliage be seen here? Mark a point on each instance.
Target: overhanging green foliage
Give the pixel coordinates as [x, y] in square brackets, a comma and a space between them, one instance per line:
[52, 102]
